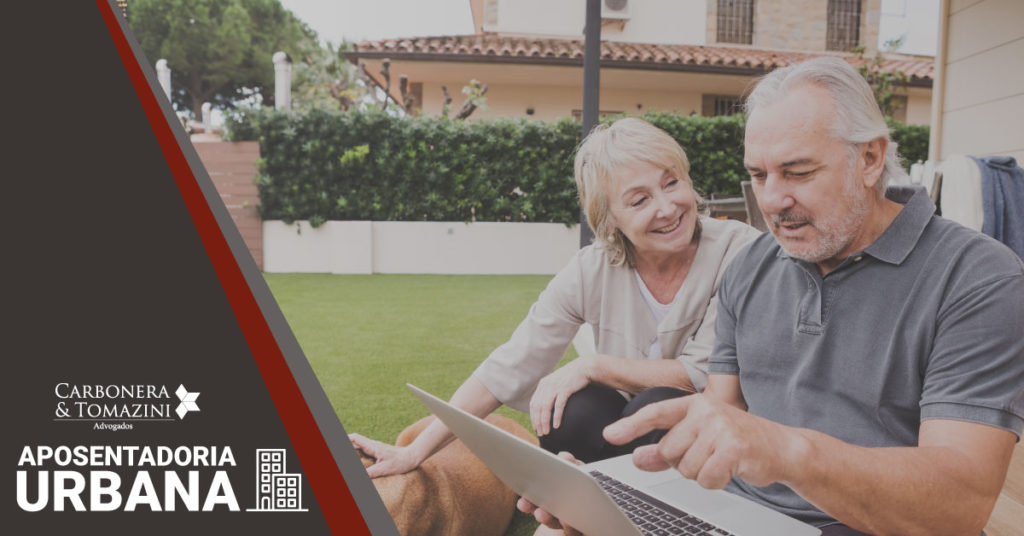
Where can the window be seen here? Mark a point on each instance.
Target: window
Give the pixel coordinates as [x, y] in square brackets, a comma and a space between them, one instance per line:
[843, 25]
[715, 105]
[735, 21]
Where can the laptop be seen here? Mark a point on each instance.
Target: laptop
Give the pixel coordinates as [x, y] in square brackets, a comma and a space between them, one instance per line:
[610, 497]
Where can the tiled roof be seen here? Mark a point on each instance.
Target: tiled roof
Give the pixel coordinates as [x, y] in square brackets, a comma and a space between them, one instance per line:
[494, 48]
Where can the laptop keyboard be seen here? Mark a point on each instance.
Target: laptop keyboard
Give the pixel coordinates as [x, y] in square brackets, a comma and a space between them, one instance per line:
[652, 516]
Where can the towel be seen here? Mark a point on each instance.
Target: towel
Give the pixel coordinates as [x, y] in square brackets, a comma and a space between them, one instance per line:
[1002, 193]
[960, 195]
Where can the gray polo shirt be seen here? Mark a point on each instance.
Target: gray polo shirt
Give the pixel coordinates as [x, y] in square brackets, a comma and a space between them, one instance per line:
[925, 323]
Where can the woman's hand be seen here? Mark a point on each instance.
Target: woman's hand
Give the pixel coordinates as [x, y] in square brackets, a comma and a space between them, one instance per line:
[390, 460]
[554, 390]
[541, 515]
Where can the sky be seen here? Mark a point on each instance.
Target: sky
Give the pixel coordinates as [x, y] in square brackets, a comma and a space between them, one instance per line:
[361, 20]
[918, 20]
[366, 20]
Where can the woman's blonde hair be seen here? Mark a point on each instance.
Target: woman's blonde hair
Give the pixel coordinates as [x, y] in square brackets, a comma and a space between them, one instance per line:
[602, 156]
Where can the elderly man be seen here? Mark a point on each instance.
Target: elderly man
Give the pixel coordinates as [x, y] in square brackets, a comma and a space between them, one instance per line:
[868, 373]
[869, 367]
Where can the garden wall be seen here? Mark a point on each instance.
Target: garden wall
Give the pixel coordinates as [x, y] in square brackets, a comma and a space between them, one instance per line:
[379, 247]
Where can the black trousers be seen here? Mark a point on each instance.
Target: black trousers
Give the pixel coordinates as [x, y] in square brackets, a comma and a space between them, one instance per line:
[592, 408]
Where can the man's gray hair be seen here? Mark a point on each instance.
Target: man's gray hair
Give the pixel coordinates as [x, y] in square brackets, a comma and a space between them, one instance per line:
[858, 119]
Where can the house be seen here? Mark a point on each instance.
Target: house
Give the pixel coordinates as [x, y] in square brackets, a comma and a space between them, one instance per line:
[978, 110]
[979, 96]
[686, 56]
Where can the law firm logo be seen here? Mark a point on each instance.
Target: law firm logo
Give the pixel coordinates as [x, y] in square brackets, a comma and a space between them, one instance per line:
[188, 401]
[115, 407]
[277, 490]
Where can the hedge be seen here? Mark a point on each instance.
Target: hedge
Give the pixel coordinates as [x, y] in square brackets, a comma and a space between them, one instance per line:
[911, 141]
[325, 165]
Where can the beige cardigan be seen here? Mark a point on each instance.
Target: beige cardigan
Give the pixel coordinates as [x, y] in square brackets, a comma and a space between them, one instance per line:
[591, 290]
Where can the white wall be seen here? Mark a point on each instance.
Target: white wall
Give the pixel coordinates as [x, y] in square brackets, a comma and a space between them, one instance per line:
[983, 106]
[363, 247]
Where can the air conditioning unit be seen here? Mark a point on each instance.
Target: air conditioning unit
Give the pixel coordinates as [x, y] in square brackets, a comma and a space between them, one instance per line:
[615, 9]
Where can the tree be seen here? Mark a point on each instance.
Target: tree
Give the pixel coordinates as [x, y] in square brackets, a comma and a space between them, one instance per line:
[475, 98]
[884, 83]
[323, 78]
[218, 50]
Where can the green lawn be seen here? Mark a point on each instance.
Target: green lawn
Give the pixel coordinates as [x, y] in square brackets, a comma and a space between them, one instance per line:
[366, 336]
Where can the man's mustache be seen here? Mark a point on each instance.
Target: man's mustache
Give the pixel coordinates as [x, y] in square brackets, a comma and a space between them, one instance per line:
[790, 216]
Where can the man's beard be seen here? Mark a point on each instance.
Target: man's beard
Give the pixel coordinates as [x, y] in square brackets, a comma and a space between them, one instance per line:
[836, 233]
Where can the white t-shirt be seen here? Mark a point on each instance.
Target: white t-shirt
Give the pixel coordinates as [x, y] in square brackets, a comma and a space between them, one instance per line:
[658, 309]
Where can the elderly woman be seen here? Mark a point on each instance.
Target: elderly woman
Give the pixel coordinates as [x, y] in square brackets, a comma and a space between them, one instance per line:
[646, 287]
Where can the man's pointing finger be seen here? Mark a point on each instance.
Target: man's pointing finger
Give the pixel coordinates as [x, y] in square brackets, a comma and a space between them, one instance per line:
[659, 416]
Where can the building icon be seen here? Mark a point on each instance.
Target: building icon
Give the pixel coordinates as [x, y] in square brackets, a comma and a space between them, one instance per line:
[276, 489]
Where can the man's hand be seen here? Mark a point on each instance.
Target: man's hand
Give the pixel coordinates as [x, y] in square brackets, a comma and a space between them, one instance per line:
[711, 442]
[541, 515]
[554, 390]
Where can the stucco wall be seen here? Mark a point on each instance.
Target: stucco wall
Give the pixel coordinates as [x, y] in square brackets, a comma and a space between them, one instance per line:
[554, 102]
[554, 91]
[919, 109]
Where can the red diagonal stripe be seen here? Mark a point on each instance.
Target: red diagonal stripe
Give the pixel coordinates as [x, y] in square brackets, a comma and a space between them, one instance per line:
[332, 494]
